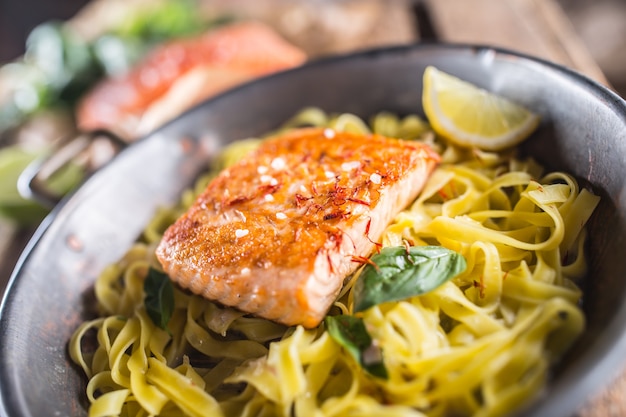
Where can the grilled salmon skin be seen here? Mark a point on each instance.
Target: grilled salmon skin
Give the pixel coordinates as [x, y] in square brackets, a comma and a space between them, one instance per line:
[277, 233]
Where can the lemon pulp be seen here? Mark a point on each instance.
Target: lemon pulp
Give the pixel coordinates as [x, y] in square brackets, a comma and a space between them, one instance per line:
[472, 117]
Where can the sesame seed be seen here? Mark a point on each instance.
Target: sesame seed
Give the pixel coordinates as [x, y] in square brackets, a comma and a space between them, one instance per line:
[375, 178]
[241, 233]
[245, 271]
[268, 198]
[329, 133]
[329, 174]
[278, 163]
[349, 166]
[281, 216]
[261, 169]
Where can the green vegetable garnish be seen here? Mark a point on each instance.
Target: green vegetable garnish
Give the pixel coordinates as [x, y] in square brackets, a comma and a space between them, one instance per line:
[351, 334]
[13, 160]
[159, 297]
[171, 19]
[398, 272]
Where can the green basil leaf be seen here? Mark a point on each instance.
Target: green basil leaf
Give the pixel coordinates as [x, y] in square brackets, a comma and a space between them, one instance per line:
[351, 334]
[397, 273]
[159, 297]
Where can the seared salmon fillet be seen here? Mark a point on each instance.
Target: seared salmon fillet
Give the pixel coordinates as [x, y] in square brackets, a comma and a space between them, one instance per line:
[277, 233]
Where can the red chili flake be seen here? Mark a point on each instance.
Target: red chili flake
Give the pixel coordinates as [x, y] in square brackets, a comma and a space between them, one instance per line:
[336, 215]
[300, 200]
[335, 236]
[317, 207]
[452, 186]
[268, 189]
[306, 156]
[481, 287]
[338, 195]
[442, 194]
[359, 201]
[330, 264]
[363, 260]
[451, 191]
[238, 200]
[407, 248]
[367, 235]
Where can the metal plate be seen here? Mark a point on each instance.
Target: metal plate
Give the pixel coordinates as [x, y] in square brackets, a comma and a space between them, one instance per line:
[583, 131]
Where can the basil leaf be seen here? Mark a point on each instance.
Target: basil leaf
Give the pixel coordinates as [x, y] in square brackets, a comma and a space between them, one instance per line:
[351, 334]
[397, 273]
[159, 297]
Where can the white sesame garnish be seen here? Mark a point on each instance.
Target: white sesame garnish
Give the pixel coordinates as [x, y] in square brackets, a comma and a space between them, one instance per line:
[268, 198]
[266, 178]
[281, 216]
[241, 233]
[303, 189]
[245, 271]
[375, 178]
[278, 163]
[329, 174]
[329, 133]
[262, 169]
[349, 166]
[273, 181]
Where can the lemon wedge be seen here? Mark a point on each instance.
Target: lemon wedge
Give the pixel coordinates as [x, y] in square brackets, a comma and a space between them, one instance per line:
[472, 117]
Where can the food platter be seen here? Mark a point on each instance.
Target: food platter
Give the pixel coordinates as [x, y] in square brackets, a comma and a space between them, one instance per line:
[583, 131]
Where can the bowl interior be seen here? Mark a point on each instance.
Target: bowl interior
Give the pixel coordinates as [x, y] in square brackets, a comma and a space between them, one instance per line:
[583, 131]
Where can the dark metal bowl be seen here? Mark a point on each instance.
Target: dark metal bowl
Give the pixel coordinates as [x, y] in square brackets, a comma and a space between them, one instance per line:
[583, 131]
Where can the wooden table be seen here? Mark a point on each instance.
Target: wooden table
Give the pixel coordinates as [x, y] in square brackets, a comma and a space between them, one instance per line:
[535, 27]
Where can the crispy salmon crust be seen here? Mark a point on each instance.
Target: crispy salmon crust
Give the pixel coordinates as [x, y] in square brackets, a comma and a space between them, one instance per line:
[277, 233]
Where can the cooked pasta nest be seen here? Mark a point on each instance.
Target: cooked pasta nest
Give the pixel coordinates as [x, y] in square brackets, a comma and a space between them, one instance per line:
[481, 344]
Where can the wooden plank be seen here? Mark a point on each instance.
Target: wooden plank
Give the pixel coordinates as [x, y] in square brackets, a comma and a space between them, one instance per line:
[609, 401]
[318, 27]
[328, 27]
[534, 27]
[558, 32]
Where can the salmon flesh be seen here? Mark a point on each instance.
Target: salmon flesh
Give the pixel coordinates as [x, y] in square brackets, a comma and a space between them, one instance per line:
[277, 233]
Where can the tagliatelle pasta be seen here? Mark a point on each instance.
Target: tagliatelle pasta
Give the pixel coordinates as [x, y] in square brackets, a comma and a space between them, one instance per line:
[479, 345]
